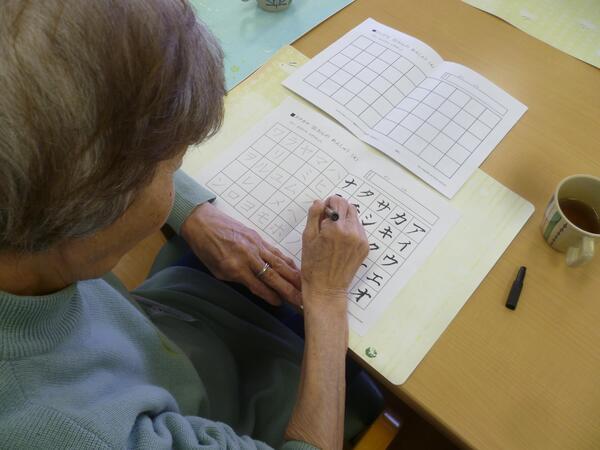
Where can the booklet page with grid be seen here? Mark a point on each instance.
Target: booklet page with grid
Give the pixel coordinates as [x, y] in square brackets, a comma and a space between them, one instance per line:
[438, 119]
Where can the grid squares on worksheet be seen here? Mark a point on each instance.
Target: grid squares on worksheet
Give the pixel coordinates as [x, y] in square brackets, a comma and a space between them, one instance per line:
[275, 180]
[432, 118]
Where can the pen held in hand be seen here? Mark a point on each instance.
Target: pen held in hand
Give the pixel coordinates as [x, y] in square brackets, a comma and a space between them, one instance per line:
[331, 214]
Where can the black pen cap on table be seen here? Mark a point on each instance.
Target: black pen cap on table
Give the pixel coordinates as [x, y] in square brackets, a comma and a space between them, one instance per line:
[515, 290]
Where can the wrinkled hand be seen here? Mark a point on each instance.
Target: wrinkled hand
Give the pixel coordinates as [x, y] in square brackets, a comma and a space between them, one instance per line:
[234, 252]
[332, 251]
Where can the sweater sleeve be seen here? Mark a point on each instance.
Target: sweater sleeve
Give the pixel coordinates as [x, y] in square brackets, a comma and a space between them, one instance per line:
[37, 428]
[298, 445]
[171, 430]
[188, 195]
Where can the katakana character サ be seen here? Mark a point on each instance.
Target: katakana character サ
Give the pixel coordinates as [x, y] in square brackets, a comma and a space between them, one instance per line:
[383, 205]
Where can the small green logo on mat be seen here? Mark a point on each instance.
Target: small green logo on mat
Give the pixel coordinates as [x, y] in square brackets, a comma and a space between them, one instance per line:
[371, 352]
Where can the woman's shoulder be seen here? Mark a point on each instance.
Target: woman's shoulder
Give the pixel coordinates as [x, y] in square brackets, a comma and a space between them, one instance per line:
[29, 424]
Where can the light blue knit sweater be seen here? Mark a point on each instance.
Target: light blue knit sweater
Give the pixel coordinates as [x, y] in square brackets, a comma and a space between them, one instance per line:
[84, 368]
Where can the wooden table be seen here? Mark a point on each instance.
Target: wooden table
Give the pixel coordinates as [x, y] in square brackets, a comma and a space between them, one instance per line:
[528, 379]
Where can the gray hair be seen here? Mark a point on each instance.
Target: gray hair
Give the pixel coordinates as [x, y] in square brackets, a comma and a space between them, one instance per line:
[95, 94]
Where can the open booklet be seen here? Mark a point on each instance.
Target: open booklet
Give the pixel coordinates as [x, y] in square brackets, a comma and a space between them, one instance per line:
[270, 177]
[438, 119]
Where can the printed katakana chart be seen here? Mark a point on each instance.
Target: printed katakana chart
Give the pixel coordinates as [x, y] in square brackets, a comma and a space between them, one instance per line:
[271, 177]
[438, 119]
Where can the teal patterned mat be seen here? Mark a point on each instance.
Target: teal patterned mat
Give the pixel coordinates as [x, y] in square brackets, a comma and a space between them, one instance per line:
[250, 36]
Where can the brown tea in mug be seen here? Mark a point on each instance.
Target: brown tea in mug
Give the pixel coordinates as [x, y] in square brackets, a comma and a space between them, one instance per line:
[581, 214]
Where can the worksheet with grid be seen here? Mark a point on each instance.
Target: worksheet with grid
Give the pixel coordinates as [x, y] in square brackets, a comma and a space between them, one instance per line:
[438, 119]
[271, 176]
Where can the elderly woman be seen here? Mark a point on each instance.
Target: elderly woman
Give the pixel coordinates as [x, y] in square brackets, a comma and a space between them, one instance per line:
[99, 101]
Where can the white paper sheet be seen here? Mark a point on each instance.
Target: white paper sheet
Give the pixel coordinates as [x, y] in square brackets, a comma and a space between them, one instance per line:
[271, 176]
[438, 119]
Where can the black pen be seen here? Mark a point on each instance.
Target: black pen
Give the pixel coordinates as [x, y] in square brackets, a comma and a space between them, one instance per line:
[331, 214]
[515, 290]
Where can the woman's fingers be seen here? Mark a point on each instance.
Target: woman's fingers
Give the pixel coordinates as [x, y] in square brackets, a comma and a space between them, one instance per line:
[339, 205]
[275, 278]
[313, 221]
[352, 213]
[281, 266]
[290, 262]
[355, 221]
[257, 287]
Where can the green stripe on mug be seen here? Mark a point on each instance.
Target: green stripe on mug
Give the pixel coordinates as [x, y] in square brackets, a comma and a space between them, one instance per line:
[551, 224]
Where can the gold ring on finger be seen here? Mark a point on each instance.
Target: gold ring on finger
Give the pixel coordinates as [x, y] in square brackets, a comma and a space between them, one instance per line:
[264, 269]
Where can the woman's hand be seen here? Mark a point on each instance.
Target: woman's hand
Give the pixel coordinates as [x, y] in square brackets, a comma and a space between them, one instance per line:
[234, 252]
[331, 254]
[332, 251]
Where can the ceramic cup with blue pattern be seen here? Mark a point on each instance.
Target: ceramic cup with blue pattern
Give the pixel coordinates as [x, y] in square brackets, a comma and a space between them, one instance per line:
[572, 218]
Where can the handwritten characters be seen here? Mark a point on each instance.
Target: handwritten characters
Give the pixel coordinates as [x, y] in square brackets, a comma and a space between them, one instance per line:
[274, 182]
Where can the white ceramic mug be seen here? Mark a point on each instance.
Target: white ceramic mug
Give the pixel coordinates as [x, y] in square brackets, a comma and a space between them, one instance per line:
[559, 230]
[273, 5]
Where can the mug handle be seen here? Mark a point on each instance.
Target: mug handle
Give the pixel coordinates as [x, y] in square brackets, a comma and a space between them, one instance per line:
[576, 256]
